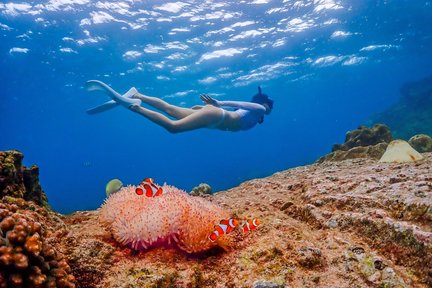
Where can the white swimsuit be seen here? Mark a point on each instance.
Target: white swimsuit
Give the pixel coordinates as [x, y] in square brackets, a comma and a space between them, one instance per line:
[250, 113]
[221, 120]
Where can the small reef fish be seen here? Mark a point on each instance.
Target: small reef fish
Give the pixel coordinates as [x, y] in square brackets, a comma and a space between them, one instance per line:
[224, 227]
[250, 225]
[113, 186]
[148, 188]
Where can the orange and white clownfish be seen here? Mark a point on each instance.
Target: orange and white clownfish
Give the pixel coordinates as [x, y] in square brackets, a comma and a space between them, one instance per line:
[250, 225]
[224, 227]
[149, 188]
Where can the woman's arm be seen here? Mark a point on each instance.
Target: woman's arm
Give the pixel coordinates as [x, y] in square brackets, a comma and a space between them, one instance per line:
[242, 105]
[233, 104]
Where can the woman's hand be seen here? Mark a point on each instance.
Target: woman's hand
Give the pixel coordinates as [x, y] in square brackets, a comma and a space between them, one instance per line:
[209, 100]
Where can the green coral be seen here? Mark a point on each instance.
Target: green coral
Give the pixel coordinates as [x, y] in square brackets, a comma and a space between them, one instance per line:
[268, 264]
[367, 266]
[245, 262]
[147, 278]
[197, 278]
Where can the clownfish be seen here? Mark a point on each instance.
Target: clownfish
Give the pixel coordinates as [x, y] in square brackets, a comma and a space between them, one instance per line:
[149, 187]
[224, 227]
[250, 225]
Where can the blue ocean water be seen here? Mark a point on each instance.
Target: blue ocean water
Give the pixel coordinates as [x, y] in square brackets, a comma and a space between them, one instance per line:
[328, 64]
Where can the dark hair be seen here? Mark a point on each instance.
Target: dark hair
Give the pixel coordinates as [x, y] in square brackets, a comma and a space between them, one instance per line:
[261, 98]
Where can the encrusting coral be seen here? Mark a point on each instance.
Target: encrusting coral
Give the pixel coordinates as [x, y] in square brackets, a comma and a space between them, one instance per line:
[421, 143]
[172, 218]
[26, 257]
[201, 189]
[363, 142]
[364, 136]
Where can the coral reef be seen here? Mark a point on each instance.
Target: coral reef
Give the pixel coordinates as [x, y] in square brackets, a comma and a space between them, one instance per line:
[365, 136]
[30, 231]
[411, 115]
[27, 259]
[421, 143]
[18, 181]
[354, 223]
[361, 143]
[372, 152]
[372, 143]
[201, 190]
[141, 222]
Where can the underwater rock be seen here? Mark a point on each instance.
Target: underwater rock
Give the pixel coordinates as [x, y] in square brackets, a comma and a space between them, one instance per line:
[381, 237]
[19, 181]
[310, 257]
[411, 114]
[89, 260]
[369, 201]
[11, 178]
[365, 136]
[421, 143]
[355, 223]
[33, 188]
[266, 284]
[399, 151]
[372, 152]
[201, 189]
[89, 255]
[361, 143]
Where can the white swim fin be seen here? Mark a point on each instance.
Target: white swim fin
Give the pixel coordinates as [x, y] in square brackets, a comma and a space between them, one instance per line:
[132, 91]
[102, 108]
[124, 100]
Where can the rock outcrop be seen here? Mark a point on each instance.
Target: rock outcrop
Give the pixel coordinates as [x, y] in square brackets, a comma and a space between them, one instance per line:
[19, 181]
[30, 231]
[421, 143]
[363, 142]
[364, 136]
[354, 223]
[372, 152]
[201, 190]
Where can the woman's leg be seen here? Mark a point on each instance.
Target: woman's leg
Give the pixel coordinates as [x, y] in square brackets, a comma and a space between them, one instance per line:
[201, 118]
[172, 110]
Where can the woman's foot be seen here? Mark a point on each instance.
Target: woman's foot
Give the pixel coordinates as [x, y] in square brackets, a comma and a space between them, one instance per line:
[137, 95]
[124, 100]
[134, 107]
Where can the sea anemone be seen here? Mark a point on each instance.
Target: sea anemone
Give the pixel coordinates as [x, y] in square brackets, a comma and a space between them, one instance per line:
[174, 217]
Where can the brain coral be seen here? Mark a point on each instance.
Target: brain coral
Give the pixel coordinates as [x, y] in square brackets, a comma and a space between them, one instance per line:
[172, 218]
[26, 257]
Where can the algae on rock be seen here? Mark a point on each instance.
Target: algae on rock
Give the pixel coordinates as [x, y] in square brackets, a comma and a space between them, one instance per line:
[18, 181]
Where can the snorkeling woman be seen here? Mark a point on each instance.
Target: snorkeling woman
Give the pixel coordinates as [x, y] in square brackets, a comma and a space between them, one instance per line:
[212, 115]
